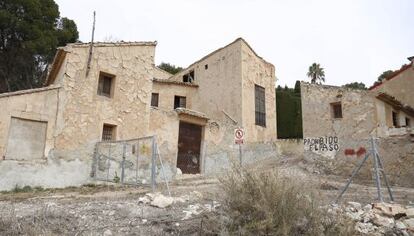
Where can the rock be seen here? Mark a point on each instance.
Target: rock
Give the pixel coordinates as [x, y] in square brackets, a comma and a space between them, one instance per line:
[410, 212]
[389, 209]
[365, 228]
[144, 200]
[355, 205]
[179, 172]
[107, 232]
[383, 221]
[367, 207]
[162, 201]
[400, 225]
[356, 216]
[409, 223]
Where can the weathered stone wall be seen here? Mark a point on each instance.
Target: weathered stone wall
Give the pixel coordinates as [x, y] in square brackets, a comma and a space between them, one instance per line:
[256, 71]
[167, 92]
[37, 105]
[336, 146]
[78, 112]
[401, 87]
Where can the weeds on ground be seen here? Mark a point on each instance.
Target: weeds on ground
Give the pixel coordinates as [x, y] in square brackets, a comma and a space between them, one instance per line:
[272, 204]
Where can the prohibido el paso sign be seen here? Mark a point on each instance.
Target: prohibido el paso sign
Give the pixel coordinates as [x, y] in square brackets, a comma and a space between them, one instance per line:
[327, 143]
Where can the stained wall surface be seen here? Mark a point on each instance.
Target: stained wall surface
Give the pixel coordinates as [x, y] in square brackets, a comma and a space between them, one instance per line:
[401, 86]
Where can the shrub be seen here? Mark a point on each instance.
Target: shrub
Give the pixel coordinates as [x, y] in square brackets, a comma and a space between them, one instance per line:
[272, 204]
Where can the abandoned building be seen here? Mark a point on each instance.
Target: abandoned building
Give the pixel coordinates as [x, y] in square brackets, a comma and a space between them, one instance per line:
[113, 91]
[338, 123]
[400, 84]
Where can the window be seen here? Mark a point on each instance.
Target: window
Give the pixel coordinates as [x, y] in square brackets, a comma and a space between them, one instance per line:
[105, 85]
[179, 102]
[189, 78]
[407, 122]
[260, 105]
[154, 99]
[206, 66]
[108, 132]
[395, 119]
[336, 110]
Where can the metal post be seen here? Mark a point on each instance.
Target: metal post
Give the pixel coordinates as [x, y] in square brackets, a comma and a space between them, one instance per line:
[352, 176]
[163, 171]
[153, 164]
[240, 154]
[377, 176]
[385, 176]
[136, 165]
[123, 163]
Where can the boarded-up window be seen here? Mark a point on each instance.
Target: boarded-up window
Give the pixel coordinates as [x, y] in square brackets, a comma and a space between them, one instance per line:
[154, 99]
[260, 105]
[105, 85]
[108, 132]
[336, 110]
[26, 139]
[179, 102]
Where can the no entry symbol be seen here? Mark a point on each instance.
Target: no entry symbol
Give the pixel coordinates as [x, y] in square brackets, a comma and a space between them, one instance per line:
[238, 136]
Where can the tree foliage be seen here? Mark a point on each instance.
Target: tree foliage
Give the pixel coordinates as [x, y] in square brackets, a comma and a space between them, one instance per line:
[385, 75]
[289, 112]
[172, 69]
[30, 31]
[316, 73]
[355, 85]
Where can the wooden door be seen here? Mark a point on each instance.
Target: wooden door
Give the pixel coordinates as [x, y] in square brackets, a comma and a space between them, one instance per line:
[189, 147]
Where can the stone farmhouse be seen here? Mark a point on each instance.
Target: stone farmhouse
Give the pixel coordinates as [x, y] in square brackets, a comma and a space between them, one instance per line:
[113, 91]
[338, 123]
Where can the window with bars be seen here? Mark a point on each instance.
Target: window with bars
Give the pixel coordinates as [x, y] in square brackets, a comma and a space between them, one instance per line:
[180, 101]
[336, 110]
[108, 132]
[105, 85]
[154, 99]
[260, 105]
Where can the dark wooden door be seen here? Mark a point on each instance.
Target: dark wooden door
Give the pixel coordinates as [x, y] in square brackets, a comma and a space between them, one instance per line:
[189, 146]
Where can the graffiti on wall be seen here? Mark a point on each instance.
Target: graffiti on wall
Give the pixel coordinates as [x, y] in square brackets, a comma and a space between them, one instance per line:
[327, 143]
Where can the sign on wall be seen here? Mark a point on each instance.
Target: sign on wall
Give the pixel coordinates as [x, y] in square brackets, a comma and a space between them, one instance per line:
[238, 136]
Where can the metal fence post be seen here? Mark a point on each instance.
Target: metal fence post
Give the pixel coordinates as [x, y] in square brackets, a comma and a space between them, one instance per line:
[153, 164]
[123, 163]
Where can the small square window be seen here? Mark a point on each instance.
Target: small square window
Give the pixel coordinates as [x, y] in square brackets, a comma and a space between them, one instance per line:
[180, 102]
[105, 85]
[108, 132]
[336, 110]
[154, 99]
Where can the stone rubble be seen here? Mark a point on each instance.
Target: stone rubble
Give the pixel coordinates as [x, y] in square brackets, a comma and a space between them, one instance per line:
[379, 218]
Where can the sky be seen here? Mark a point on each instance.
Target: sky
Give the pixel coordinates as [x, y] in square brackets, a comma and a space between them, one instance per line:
[353, 40]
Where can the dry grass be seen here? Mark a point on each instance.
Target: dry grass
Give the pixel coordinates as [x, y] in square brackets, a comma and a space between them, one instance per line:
[272, 204]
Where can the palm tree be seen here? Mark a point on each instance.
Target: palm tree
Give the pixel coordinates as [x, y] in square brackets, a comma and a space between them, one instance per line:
[316, 73]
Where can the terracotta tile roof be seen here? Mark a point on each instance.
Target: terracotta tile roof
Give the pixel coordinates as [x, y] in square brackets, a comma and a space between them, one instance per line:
[395, 103]
[168, 81]
[186, 111]
[393, 76]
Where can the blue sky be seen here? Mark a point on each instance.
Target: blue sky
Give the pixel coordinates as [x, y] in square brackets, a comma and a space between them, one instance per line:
[354, 40]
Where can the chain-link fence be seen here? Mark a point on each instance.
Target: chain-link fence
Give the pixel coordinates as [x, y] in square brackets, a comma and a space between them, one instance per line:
[131, 161]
